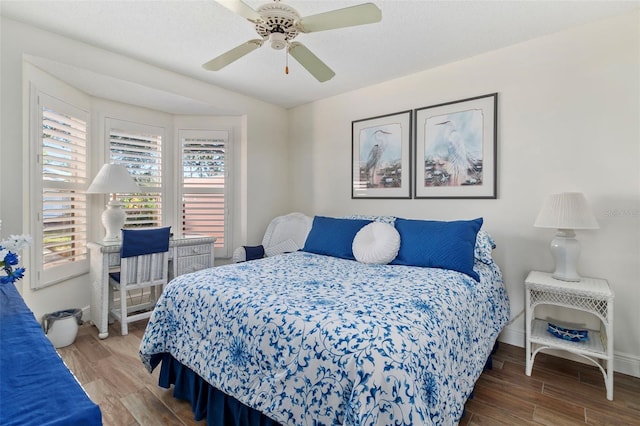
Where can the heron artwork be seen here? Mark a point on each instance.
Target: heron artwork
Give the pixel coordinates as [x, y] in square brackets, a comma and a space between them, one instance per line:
[459, 162]
[375, 154]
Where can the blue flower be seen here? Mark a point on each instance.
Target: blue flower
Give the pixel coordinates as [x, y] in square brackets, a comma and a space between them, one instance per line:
[422, 305]
[238, 352]
[429, 388]
[9, 258]
[12, 275]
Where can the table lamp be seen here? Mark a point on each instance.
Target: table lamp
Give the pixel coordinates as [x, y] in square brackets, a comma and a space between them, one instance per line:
[113, 179]
[566, 212]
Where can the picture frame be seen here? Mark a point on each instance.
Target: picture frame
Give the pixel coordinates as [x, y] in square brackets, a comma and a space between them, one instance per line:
[456, 149]
[381, 156]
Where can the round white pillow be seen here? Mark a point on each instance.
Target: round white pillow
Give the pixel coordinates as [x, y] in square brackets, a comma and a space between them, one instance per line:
[376, 242]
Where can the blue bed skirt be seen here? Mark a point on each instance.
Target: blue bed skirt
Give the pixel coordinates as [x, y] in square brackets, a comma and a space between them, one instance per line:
[217, 407]
[207, 402]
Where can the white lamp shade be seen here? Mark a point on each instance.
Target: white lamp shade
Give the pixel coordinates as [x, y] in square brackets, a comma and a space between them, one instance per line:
[111, 179]
[568, 210]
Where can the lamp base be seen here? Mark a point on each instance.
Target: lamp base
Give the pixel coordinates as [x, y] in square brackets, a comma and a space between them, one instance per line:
[113, 219]
[569, 278]
[566, 250]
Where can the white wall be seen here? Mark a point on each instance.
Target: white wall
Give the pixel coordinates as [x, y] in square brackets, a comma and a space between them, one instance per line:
[568, 120]
[260, 174]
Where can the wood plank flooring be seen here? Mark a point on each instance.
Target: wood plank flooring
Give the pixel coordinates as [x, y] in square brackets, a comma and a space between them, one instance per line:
[559, 392]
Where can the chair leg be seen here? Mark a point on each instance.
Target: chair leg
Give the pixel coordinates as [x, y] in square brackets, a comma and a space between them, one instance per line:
[111, 304]
[157, 292]
[110, 300]
[124, 329]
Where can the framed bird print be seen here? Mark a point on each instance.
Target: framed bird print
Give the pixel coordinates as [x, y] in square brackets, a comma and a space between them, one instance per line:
[381, 151]
[456, 149]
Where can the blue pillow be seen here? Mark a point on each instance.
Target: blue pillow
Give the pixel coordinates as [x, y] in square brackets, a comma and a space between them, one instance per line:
[253, 252]
[437, 244]
[333, 237]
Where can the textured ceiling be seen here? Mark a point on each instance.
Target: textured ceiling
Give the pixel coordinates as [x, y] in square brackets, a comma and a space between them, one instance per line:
[413, 36]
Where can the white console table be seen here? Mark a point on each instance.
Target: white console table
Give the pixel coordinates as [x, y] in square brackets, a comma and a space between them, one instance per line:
[185, 255]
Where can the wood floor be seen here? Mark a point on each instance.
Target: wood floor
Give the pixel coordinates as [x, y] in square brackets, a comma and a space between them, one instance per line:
[559, 392]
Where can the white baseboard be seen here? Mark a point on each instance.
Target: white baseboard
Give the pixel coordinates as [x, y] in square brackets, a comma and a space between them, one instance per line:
[626, 364]
[512, 337]
[622, 363]
[86, 314]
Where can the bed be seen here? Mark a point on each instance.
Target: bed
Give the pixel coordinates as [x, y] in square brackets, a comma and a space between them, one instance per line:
[312, 338]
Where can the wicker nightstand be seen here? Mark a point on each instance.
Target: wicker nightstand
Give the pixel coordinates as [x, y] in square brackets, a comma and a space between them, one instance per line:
[590, 295]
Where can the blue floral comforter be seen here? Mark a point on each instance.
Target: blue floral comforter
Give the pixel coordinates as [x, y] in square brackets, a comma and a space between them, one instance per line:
[316, 340]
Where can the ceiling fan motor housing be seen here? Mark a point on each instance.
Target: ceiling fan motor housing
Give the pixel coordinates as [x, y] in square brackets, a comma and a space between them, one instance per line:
[278, 24]
[278, 41]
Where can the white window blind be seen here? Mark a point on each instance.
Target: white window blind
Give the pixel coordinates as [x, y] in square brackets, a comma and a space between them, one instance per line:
[204, 185]
[61, 223]
[141, 154]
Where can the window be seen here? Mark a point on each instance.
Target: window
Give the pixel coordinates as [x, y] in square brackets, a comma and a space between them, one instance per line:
[204, 185]
[61, 220]
[186, 187]
[139, 149]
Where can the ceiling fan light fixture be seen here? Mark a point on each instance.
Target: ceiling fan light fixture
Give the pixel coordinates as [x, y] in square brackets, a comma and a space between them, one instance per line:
[280, 24]
[278, 41]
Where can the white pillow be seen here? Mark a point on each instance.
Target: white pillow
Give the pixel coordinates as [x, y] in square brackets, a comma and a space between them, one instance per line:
[377, 242]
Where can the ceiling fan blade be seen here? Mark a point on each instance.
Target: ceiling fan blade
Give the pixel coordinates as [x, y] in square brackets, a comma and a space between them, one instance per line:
[310, 62]
[366, 13]
[232, 55]
[241, 8]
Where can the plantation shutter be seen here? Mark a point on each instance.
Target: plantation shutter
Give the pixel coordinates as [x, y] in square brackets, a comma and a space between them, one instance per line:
[141, 154]
[62, 218]
[204, 185]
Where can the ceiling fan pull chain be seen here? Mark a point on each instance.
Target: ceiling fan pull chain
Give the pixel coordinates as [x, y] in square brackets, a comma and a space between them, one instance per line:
[286, 66]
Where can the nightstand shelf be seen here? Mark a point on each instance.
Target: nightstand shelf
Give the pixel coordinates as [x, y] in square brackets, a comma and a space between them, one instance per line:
[591, 295]
[594, 346]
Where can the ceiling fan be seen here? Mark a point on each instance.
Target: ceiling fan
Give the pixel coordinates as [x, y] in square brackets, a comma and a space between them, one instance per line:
[280, 24]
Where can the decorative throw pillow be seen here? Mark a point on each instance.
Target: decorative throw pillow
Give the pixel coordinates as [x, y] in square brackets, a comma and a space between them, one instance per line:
[436, 244]
[332, 236]
[386, 219]
[484, 247]
[244, 253]
[377, 242]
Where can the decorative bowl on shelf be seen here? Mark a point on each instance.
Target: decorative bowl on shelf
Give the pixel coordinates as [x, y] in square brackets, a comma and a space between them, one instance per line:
[572, 335]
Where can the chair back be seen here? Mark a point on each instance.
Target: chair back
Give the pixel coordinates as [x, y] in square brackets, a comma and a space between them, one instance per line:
[136, 242]
[145, 257]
